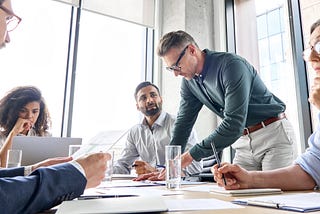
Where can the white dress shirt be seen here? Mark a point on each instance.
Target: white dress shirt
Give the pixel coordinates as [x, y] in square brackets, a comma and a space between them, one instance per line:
[149, 145]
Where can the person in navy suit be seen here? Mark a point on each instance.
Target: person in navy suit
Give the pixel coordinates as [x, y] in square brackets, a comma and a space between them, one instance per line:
[51, 181]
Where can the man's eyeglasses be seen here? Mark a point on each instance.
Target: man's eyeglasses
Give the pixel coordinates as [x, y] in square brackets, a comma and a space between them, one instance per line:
[176, 66]
[307, 52]
[12, 21]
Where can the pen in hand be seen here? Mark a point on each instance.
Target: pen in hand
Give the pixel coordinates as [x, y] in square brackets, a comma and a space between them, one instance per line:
[218, 161]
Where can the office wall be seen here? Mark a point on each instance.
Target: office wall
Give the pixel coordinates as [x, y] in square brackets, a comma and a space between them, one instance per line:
[197, 18]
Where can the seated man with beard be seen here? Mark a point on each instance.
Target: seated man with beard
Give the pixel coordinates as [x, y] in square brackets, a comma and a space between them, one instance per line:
[146, 141]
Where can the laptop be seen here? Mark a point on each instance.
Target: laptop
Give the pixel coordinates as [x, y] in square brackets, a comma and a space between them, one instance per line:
[36, 149]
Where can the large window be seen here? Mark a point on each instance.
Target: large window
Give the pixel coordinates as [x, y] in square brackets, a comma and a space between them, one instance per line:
[37, 53]
[110, 63]
[263, 37]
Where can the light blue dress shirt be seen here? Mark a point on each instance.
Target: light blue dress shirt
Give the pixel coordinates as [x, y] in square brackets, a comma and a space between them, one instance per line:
[310, 160]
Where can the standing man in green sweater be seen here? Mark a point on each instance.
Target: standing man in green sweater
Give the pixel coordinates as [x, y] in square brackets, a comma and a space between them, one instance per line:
[253, 119]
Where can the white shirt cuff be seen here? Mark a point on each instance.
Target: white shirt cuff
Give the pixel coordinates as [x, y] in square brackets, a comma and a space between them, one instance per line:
[27, 170]
[78, 167]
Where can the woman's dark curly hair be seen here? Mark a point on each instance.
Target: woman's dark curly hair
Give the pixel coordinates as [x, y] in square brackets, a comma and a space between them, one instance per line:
[12, 103]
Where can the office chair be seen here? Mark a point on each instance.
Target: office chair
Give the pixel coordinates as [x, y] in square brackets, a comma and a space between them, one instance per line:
[206, 174]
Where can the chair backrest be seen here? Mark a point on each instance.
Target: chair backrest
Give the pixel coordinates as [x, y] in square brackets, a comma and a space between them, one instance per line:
[208, 162]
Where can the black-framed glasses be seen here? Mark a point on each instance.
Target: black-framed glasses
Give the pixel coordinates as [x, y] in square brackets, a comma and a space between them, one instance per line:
[307, 52]
[176, 66]
[13, 20]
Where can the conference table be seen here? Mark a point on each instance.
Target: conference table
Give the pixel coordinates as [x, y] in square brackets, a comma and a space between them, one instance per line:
[210, 195]
[245, 209]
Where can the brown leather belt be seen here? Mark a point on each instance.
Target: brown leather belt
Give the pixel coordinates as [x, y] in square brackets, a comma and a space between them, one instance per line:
[262, 124]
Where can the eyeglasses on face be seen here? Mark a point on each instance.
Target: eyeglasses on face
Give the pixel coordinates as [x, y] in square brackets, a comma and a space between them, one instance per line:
[176, 66]
[12, 21]
[307, 52]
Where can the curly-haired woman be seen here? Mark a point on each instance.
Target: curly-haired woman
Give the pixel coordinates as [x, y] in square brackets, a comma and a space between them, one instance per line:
[22, 112]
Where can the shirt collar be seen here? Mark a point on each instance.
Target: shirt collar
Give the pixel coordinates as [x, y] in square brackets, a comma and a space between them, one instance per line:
[159, 121]
[203, 74]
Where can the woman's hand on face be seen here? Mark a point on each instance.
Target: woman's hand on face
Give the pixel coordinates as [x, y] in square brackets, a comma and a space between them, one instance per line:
[22, 125]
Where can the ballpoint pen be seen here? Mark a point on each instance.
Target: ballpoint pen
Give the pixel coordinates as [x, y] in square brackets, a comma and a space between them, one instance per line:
[218, 161]
[160, 166]
[157, 166]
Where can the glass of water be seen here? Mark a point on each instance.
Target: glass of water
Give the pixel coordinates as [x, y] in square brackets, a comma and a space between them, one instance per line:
[173, 167]
[14, 158]
[109, 171]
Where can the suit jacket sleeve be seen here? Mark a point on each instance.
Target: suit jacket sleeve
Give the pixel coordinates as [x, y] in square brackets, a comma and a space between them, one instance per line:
[11, 172]
[42, 190]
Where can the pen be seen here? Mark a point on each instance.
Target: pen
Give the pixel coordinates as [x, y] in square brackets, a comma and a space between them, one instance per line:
[218, 161]
[158, 166]
[264, 203]
[88, 197]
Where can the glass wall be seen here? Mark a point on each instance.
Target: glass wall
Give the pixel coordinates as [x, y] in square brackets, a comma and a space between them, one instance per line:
[110, 63]
[37, 53]
[264, 39]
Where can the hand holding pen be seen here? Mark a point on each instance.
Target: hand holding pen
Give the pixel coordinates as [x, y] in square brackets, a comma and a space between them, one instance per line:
[238, 177]
[218, 161]
[143, 167]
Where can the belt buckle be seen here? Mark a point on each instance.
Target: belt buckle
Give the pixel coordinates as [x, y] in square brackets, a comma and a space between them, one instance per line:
[246, 131]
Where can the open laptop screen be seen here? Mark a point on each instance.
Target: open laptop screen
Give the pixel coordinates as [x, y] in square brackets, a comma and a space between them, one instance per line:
[36, 149]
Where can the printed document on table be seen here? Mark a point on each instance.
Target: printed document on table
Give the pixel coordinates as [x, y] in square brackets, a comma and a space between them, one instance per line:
[126, 192]
[301, 202]
[126, 205]
[198, 204]
[103, 141]
[240, 192]
[126, 183]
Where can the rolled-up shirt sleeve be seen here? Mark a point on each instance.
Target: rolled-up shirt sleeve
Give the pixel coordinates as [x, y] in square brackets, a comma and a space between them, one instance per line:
[310, 160]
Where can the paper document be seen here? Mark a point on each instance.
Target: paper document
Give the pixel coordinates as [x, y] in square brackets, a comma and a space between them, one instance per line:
[94, 193]
[302, 202]
[126, 183]
[198, 204]
[123, 176]
[114, 205]
[244, 192]
[200, 188]
[214, 188]
[103, 141]
[183, 182]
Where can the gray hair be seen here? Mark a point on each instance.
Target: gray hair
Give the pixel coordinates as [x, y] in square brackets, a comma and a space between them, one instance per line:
[175, 39]
[1, 2]
[314, 26]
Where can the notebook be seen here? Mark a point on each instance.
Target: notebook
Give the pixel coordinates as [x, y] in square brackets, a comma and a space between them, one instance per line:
[301, 202]
[138, 204]
[36, 149]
